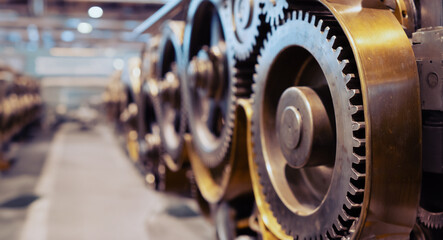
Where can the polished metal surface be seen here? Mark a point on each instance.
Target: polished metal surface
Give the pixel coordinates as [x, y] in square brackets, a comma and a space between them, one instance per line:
[303, 128]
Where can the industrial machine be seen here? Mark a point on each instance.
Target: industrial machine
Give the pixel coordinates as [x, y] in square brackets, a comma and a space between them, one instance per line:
[20, 106]
[300, 119]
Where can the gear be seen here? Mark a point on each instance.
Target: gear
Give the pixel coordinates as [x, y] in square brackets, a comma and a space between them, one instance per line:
[275, 11]
[244, 64]
[298, 181]
[168, 103]
[247, 17]
[209, 91]
[322, 121]
[430, 219]
[148, 127]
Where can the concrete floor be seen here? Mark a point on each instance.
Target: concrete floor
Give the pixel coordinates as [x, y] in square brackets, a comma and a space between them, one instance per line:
[84, 187]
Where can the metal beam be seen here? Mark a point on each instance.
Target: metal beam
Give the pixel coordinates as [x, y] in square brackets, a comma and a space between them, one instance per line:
[123, 1]
[153, 23]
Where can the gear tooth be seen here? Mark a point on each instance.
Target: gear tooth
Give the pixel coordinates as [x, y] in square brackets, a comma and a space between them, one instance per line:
[346, 216]
[338, 51]
[326, 31]
[354, 190]
[313, 18]
[285, 4]
[320, 23]
[357, 142]
[353, 92]
[340, 227]
[358, 158]
[254, 77]
[332, 235]
[349, 77]
[256, 67]
[332, 41]
[344, 63]
[300, 15]
[235, 71]
[281, 16]
[355, 108]
[253, 92]
[356, 175]
[306, 17]
[357, 125]
[351, 204]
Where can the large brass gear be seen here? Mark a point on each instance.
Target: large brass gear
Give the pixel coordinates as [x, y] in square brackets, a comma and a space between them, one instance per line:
[321, 76]
[168, 103]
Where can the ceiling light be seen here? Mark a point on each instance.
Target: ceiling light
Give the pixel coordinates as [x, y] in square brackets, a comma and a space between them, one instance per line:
[84, 28]
[95, 12]
[118, 64]
[67, 36]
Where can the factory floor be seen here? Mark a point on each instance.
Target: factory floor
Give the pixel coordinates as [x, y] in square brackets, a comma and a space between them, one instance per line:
[79, 184]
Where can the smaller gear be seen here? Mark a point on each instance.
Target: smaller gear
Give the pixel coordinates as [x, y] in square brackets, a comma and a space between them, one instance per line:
[275, 11]
[245, 21]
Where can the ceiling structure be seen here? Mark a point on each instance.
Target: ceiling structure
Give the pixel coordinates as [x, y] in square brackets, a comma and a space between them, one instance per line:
[57, 23]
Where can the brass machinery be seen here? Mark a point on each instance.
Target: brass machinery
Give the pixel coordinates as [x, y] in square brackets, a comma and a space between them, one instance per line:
[296, 119]
[20, 106]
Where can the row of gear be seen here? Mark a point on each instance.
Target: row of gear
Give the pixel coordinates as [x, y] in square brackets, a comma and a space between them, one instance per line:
[288, 119]
[20, 106]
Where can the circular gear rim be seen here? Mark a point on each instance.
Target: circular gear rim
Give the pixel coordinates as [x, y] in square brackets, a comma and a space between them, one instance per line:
[173, 156]
[213, 158]
[346, 214]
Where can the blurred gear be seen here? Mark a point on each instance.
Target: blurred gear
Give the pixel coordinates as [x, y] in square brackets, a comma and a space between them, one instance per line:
[168, 104]
[209, 91]
[148, 129]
